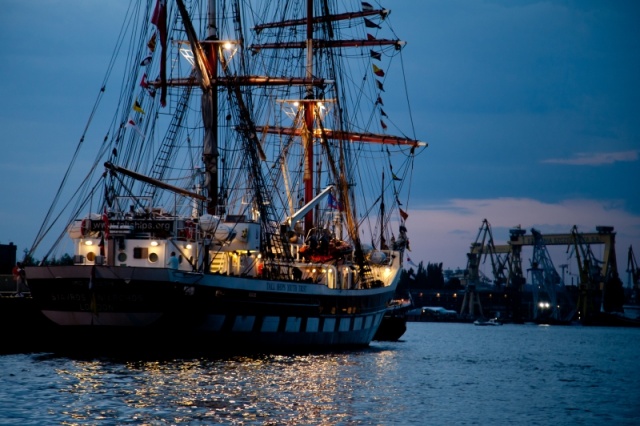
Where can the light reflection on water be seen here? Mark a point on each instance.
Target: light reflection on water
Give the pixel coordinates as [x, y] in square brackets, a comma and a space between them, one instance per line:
[438, 374]
[279, 389]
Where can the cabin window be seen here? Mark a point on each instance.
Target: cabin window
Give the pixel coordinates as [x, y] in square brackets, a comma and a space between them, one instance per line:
[91, 256]
[122, 257]
[153, 257]
[140, 252]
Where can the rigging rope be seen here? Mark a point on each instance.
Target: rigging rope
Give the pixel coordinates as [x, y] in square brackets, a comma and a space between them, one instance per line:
[47, 223]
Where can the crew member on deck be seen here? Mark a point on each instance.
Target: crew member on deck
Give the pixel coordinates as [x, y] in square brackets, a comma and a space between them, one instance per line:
[20, 277]
[173, 261]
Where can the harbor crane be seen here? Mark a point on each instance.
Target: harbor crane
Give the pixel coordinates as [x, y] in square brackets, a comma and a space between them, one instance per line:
[595, 274]
[634, 276]
[506, 267]
[482, 249]
[545, 281]
[479, 248]
[597, 277]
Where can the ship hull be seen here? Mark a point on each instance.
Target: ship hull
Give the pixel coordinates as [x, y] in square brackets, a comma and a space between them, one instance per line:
[220, 311]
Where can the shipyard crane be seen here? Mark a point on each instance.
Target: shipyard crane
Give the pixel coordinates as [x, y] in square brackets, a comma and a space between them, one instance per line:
[545, 280]
[510, 259]
[482, 249]
[597, 278]
[471, 299]
[634, 275]
[516, 277]
[594, 274]
[506, 266]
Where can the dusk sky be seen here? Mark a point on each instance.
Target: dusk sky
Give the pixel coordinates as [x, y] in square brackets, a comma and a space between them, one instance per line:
[531, 110]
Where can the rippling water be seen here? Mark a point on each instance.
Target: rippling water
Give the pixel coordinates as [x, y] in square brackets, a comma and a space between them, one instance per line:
[439, 374]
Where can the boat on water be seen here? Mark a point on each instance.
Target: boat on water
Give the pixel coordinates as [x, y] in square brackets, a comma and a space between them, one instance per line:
[247, 191]
[487, 322]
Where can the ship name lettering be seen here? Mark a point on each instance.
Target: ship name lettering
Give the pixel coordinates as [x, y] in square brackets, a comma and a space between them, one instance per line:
[290, 288]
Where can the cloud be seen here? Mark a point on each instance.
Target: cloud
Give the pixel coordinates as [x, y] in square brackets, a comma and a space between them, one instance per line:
[596, 158]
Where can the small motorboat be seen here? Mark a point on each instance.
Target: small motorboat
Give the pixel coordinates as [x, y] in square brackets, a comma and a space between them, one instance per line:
[492, 321]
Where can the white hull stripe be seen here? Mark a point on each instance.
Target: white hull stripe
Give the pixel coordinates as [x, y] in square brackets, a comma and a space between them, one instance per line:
[218, 323]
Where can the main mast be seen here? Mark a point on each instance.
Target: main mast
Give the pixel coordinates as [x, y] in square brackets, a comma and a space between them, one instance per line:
[210, 152]
[308, 106]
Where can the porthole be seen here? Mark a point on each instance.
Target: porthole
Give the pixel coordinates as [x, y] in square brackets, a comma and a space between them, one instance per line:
[122, 257]
[153, 257]
[91, 256]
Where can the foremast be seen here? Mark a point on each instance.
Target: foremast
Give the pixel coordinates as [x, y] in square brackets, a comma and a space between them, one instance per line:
[206, 71]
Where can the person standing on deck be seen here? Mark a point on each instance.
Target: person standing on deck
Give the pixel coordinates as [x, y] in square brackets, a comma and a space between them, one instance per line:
[20, 278]
[173, 261]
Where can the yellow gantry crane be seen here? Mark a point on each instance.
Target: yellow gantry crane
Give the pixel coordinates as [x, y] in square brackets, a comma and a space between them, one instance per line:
[482, 249]
[598, 278]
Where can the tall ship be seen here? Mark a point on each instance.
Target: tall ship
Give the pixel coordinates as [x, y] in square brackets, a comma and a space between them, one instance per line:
[248, 189]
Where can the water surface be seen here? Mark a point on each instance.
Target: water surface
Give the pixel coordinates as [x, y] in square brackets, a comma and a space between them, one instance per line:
[438, 374]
